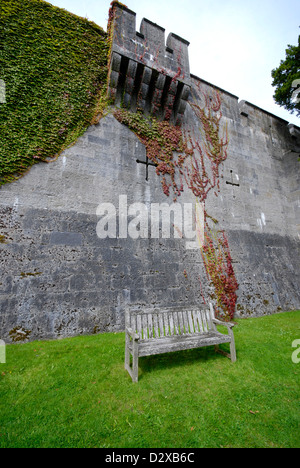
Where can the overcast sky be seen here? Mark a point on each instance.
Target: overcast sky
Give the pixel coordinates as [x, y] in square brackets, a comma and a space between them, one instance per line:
[234, 44]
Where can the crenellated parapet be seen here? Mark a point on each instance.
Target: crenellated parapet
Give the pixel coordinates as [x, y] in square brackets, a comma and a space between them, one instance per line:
[147, 72]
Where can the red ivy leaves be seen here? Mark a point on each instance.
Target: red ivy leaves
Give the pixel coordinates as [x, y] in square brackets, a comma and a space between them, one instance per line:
[218, 265]
[161, 140]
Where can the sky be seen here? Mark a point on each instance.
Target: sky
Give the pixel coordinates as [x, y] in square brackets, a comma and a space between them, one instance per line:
[234, 44]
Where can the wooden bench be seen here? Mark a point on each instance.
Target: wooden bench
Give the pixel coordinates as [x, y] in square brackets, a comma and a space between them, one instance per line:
[155, 331]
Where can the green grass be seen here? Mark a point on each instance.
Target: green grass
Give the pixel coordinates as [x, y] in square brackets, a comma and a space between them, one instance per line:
[54, 65]
[76, 393]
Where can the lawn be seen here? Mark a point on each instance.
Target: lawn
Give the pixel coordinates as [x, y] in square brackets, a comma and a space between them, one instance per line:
[75, 393]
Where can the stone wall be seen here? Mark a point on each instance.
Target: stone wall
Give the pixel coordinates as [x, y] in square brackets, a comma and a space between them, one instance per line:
[258, 205]
[58, 278]
[147, 71]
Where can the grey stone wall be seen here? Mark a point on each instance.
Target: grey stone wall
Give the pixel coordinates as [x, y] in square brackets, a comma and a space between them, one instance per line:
[58, 278]
[261, 213]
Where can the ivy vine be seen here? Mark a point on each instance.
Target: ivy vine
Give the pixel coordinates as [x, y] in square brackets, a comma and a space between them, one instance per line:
[54, 65]
[162, 140]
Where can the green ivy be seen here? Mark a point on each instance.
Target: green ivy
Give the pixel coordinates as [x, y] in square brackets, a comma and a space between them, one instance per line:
[54, 65]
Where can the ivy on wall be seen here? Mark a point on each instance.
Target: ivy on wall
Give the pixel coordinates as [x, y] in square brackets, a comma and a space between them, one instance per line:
[219, 270]
[161, 140]
[182, 157]
[54, 66]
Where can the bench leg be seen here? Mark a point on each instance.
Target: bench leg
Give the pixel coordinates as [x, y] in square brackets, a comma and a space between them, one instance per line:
[232, 354]
[232, 348]
[127, 354]
[220, 351]
[135, 362]
[134, 370]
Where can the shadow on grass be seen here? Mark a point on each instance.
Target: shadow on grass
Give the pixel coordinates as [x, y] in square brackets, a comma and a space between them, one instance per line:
[180, 359]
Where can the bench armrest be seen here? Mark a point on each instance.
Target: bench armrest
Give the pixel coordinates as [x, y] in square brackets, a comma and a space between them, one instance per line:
[132, 334]
[226, 324]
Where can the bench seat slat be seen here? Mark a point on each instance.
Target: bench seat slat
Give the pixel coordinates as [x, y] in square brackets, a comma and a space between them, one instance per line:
[191, 326]
[195, 323]
[139, 325]
[185, 322]
[144, 326]
[203, 316]
[171, 323]
[180, 322]
[133, 323]
[161, 325]
[176, 324]
[199, 321]
[150, 326]
[155, 324]
[178, 343]
[166, 324]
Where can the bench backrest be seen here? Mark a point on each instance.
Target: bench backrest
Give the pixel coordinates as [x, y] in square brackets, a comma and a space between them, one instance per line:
[158, 323]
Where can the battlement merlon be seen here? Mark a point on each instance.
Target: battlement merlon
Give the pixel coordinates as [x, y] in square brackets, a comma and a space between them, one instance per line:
[148, 45]
[153, 68]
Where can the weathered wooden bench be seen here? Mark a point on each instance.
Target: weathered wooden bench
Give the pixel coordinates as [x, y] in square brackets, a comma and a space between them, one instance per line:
[149, 332]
